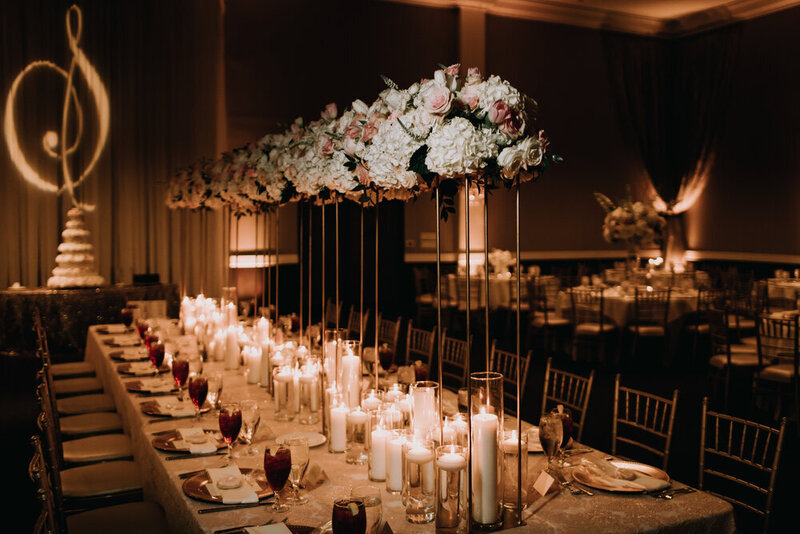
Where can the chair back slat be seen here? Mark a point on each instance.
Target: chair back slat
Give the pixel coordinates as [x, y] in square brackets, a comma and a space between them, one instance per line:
[643, 414]
[332, 313]
[588, 306]
[651, 306]
[777, 339]
[389, 331]
[569, 389]
[419, 344]
[354, 323]
[51, 518]
[747, 456]
[454, 361]
[505, 363]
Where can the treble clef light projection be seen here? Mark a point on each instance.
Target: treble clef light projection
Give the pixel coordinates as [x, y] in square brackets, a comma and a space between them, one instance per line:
[55, 145]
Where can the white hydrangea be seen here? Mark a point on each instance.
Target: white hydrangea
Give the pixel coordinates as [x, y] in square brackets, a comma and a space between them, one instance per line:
[388, 156]
[456, 148]
[337, 177]
[495, 88]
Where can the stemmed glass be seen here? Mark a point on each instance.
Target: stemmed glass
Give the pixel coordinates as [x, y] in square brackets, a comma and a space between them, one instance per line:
[277, 468]
[349, 517]
[230, 422]
[251, 417]
[551, 432]
[156, 351]
[214, 389]
[371, 497]
[198, 391]
[298, 446]
[385, 356]
[180, 373]
[127, 317]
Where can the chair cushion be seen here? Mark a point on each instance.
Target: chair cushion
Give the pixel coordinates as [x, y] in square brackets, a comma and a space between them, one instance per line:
[101, 479]
[75, 386]
[743, 349]
[71, 369]
[592, 329]
[737, 360]
[129, 518]
[96, 402]
[97, 449]
[751, 341]
[777, 373]
[649, 330]
[90, 423]
[539, 322]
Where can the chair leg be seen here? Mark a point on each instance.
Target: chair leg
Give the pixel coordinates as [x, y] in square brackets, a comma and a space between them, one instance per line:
[727, 386]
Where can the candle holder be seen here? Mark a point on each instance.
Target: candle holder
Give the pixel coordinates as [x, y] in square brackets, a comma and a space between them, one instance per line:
[419, 480]
[380, 432]
[395, 392]
[332, 339]
[394, 461]
[451, 506]
[511, 469]
[404, 405]
[310, 382]
[357, 431]
[252, 360]
[350, 373]
[391, 415]
[371, 399]
[424, 407]
[486, 462]
[337, 424]
[455, 431]
[229, 304]
[284, 393]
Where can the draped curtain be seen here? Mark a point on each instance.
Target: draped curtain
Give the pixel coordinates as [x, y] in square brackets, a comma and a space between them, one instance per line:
[162, 65]
[674, 94]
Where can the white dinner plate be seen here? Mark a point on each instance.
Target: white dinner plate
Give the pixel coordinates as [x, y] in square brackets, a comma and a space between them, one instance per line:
[315, 439]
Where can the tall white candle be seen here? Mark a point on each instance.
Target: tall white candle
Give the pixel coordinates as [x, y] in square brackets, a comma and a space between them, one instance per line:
[262, 330]
[394, 463]
[484, 467]
[377, 451]
[351, 379]
[424, 410]
[219, 345]
[296, 392]
[232, 355]
[339, 428]
[310, 377]
[424, 457]
[252, 356]
[265, 370]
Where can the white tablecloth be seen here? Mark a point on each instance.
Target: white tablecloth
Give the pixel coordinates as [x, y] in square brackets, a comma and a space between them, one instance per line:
[620, 308]
[696, 512]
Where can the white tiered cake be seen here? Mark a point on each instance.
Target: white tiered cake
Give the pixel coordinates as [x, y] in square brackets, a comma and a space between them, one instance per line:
[75, 261]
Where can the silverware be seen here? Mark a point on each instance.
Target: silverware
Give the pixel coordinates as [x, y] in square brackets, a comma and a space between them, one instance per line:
[227, 507]
[184, 456]
[668, 493]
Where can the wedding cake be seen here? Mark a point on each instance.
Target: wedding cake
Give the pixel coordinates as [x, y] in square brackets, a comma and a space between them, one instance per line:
[75, 265]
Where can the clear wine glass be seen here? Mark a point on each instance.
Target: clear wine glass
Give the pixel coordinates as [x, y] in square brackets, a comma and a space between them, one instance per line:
[551, 432]
[277, 468]
[214, 389]
[251, 417]
[371, 497]
[298, 446]
[230, 423]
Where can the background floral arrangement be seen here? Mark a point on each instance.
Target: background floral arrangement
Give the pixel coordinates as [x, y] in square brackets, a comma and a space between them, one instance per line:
[432, 134]
[634, 223]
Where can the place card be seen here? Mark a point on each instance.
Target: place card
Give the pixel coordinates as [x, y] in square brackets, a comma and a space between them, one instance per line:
[543, 483]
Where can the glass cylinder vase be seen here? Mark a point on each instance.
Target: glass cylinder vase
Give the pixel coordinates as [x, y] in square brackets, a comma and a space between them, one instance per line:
[419, 480]
[424, 407]
[511, 469]
[451, 496]
[284, 393]
[310, 391]
[485, 460]
[357, 432]
[350, 373]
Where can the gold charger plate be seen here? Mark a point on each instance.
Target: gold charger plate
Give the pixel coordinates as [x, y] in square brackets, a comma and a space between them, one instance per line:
[117, 356]
[125, 369]
[580, 475]
[195, 487]
[151, 408]
[164, 442]
[135, 386]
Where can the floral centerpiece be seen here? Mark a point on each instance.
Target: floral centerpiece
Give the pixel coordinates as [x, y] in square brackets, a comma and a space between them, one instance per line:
[634, 223]
[500, 260]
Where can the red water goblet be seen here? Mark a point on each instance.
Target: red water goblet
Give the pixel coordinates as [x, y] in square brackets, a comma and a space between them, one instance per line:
[277, 468]
[156, 352]
[198, 391]
[385, 356]
[230, 423]
[127, 317]
[180, 373]
[349, 517]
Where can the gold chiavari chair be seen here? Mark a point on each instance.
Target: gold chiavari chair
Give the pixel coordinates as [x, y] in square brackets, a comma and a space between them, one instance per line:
[650, 316]
[333, 314]
[569, 389]
[354, 323]
[505, 363]
[777, 342]
[389, 331]
[129, 517]
[454, 361]
[59, 370]
[545, 318]
[420, 344]
[591, 327]
[737, 453]
[698, 324]
[726, 358]
[637, 413]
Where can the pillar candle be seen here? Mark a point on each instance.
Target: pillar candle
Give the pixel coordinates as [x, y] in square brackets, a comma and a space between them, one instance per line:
[378, 448]
[393, 394]
[351, 378]
[310, 376]
[232, 354]
[424, 410]
[296, 391]
[265, 370]
[423, 456]
[339, 428]
[371, 402]
[404, 405]
[394, 463]
[219, 345]
[252, 357]
[484, 467]
[284, 384]
[262, 330]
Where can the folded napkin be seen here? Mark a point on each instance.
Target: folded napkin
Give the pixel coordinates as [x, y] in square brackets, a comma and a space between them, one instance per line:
[141, 368]
[115, 328]
[314, 476]
[405, 374]
[171, 406]
[280, 528]
[132, 355]
[194, 440]
[246, 493]
[125, 341]
[611, 475]
[156, 385]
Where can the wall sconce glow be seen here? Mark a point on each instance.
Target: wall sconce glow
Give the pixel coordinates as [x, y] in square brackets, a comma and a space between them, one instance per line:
[55, 145]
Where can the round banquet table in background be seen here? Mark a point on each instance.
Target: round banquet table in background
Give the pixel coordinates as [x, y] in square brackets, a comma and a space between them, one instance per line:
[605, 512]
[620, 307]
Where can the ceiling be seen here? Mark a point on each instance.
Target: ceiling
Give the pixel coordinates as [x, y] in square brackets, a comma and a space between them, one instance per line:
[668, 18]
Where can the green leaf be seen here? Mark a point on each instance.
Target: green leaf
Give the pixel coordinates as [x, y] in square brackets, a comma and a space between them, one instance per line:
[390, 83]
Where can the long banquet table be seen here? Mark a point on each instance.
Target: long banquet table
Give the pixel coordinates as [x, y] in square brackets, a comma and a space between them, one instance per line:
[604, 512]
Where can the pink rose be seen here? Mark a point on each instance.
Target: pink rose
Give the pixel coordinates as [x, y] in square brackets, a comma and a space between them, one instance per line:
[370, 129]
[363, 174]
[473, 75]
[513, 126]
[330, 111]
[437, 99]
[349, 145]
[353, 130]
[470, 96]
[393, 115]
[324, 145]
[499, 112]
[453, 69]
